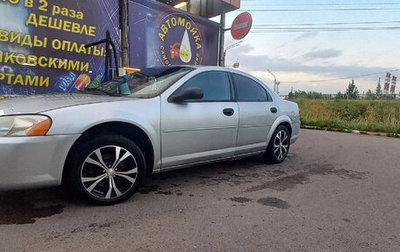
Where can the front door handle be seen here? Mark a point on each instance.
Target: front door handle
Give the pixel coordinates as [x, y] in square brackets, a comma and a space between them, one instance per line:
[273, 110]
[228, 111]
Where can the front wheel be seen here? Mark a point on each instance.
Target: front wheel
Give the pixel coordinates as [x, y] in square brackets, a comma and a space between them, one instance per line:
[106, 170]
[278, 147]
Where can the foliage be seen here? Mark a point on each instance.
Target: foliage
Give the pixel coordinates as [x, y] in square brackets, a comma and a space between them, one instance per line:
[352, 91]
[369, 95]
[309, 95]
[339, 95]
[366, 115]
[378, 90]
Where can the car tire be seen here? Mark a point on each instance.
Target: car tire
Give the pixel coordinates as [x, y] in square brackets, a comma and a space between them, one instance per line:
[278, 147]
[105, 170]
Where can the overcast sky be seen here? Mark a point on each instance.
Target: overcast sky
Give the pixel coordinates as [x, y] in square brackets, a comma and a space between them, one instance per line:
[299, 42]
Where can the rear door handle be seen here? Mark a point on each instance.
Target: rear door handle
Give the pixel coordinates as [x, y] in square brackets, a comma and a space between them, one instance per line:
[228, 111]
[273, 110]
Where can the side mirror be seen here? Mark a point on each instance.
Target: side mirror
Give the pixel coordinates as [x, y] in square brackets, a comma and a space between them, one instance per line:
[190, 93]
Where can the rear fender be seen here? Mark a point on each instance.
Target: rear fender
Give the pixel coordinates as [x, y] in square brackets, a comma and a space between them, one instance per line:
[281, 119]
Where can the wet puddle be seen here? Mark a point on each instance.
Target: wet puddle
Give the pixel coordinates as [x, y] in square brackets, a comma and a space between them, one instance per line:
[288, 182]
[145, 189]
[274, 202]
[241, 199]
[164, 192]
[18, 207]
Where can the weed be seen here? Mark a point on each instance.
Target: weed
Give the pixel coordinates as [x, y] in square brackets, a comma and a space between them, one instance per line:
[362, 115]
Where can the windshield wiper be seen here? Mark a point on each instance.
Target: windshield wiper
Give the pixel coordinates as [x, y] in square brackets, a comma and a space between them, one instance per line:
[94, 90]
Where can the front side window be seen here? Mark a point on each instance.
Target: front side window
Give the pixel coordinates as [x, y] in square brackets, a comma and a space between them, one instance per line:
[249, 90]
[214, 84]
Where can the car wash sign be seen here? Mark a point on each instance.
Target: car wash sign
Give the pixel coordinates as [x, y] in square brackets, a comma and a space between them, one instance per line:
[161, 35]
[180, 40]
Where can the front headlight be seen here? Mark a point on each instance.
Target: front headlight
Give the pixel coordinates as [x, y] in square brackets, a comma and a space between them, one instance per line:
[24, 125]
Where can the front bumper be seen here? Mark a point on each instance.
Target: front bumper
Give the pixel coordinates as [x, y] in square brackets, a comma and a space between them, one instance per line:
[31, 162]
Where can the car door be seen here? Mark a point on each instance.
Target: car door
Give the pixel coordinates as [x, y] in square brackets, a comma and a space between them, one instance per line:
[257, 113]
[198, 130]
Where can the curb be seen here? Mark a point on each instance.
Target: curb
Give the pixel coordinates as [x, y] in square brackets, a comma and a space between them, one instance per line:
[360, 132]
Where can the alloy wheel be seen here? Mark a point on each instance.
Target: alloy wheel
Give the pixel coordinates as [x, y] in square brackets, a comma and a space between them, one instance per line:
[281, 145]
[109, 172]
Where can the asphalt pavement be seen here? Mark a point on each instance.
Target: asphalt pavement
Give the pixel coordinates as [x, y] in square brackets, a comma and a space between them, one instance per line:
[335, 192]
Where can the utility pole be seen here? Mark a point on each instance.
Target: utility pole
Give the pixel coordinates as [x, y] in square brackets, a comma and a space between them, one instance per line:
[275, 82]
[277, 86]
[228, 48]
[221, 39]
[123, 21]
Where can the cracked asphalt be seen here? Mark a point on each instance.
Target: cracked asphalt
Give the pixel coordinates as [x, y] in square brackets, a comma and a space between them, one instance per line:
[335, 192]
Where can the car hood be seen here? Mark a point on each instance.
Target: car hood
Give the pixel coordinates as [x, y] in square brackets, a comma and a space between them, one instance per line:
[42, 103]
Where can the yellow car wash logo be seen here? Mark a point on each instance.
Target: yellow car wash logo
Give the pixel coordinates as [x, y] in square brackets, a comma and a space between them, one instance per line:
[179, 40]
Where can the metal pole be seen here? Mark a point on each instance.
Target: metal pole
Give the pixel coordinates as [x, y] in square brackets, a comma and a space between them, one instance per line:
[222, 39]
[223, 61]
[230, 47]
[275, 86]
[124, 29]
[109, 75]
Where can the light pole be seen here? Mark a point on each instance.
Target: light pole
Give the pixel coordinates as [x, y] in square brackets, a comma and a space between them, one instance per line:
[277, 86]
[230, 47]
[276, 83]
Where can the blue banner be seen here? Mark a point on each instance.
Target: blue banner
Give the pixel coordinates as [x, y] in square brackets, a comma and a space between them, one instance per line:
[42, 44]
[162, 35]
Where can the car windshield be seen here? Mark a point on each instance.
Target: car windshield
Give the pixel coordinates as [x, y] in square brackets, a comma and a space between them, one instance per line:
[147, 83]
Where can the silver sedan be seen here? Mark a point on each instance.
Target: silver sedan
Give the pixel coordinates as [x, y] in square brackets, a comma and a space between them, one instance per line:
[102, 141]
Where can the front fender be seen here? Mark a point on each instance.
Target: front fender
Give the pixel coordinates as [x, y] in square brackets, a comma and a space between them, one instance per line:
[75, 120]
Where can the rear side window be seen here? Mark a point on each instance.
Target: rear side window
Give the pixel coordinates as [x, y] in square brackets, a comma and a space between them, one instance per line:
[249, 90]
[215, 85]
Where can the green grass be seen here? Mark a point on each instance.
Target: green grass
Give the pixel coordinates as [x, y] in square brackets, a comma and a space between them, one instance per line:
[363, 115]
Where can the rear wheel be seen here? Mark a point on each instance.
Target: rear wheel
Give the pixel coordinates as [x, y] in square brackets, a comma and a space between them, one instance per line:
[278, 147]
[106, 170]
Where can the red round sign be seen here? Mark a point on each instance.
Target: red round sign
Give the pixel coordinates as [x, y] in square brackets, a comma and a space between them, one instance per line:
[241, 25]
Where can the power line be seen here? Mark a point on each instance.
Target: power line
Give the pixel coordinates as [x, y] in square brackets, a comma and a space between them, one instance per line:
[315, 10]
[344, 78]
[322, 4]
[322, 29]
[329, 28]
[313, 24]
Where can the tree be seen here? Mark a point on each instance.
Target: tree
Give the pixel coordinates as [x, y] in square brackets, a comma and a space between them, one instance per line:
[370, 95]
[309, 95]
[291, 95]
[339, 95]
[378, 91]
[352, 91]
